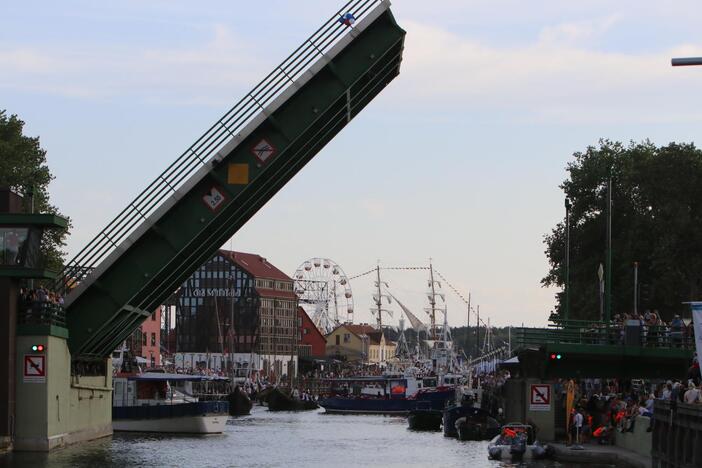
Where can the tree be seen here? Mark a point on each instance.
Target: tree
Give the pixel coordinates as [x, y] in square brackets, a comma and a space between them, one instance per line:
[656, 217]
[23, 168]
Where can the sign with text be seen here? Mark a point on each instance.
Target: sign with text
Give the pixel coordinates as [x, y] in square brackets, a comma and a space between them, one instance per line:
[34, 369]
[540, 397]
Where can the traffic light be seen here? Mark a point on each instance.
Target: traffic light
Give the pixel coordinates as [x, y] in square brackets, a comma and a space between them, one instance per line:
[38, 348]
[556, 356]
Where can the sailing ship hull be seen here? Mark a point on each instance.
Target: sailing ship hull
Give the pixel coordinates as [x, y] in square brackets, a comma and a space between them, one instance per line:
[279, 401]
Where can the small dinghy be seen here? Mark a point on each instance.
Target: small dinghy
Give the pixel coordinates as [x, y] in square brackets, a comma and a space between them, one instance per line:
[516, 442]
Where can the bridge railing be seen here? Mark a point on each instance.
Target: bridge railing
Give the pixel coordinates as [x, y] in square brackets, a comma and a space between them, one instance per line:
[41, 313]
[597, 333]
[206, 147]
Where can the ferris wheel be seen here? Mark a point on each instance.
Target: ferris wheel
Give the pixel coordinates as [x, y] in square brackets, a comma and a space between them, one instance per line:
[325, 293]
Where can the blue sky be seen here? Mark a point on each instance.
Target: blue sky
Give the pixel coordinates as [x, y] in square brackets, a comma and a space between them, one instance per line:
[458, 160]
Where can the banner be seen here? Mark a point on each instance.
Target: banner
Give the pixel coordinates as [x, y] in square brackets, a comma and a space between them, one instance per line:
[697, 321]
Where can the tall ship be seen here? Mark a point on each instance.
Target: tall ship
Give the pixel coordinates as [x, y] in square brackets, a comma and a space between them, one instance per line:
[408, 387]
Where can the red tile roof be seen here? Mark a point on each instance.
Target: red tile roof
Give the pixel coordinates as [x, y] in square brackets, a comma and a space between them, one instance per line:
[256, 265]
[359, 330]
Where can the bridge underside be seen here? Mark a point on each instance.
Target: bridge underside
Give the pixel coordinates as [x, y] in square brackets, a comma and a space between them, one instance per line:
[603, 361]
[201, 215]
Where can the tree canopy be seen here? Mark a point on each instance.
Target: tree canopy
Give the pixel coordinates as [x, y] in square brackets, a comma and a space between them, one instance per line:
[656, 221]
[23, 168]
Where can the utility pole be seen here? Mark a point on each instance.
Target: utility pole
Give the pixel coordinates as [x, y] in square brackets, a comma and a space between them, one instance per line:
[468, 326]
[477, 333]
[567, 261]
[608, 275]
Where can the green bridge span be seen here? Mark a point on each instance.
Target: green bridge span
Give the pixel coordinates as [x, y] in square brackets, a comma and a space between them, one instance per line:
[227, 175]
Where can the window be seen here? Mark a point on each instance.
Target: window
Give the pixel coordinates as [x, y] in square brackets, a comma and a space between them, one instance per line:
[153, 315]
[153, 339]
[338, 339]
[347, 337]
[143, 339]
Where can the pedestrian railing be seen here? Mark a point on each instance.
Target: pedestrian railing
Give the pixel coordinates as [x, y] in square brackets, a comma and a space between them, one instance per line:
[40, 313]
[598, 333]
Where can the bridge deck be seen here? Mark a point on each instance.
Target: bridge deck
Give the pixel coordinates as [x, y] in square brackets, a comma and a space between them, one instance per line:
[595, 350]
[211, 190]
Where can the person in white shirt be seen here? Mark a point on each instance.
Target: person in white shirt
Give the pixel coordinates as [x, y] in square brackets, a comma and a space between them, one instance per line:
[692, 394]
[578, 422]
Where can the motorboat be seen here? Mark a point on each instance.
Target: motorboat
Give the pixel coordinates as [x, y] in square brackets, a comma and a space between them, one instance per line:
[384, 395]
[162, 402]
[278, 400]
[516, 442]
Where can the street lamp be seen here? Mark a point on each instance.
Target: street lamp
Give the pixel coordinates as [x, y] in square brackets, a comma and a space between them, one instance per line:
[567, 261]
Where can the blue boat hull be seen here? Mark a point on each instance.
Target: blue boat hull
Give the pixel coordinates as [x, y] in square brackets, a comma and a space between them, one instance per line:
[427, 400]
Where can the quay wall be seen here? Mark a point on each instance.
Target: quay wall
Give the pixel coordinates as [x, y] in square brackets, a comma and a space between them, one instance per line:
[640, 440]
[59, 409]
[677, 435]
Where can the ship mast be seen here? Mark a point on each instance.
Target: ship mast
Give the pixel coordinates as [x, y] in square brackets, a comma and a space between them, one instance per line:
[378, 298]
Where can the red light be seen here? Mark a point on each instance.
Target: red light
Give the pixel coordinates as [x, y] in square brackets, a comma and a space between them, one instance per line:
[553, 356]
[40, 348]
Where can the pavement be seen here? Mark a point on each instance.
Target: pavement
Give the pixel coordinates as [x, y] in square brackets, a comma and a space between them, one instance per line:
[602, 454]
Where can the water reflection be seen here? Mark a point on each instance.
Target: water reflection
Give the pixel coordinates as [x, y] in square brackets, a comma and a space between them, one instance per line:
[265, 439]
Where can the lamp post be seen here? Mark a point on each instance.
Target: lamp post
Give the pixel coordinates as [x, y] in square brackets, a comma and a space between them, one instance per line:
[608, 266]
[567, 261]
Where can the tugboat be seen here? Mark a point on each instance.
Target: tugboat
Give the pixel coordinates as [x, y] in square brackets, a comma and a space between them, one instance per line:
[515, 443]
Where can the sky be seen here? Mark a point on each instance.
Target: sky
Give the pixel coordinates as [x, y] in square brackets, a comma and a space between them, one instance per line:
[459, 160]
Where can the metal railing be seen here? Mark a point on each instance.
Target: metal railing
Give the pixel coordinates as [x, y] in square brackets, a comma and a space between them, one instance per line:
[40, 313]
[597, 333]
[207, 146]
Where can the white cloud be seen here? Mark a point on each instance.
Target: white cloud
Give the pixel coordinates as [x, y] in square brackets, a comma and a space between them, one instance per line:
[203, 73]
[549, 79]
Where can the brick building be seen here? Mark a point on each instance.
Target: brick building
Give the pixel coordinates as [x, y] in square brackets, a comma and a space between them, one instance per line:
[237, 311]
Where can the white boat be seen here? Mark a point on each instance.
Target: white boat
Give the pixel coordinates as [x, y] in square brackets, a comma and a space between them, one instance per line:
[159, 402]
[516, 442]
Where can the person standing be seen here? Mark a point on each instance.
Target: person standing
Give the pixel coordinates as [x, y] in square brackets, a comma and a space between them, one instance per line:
[578, 423]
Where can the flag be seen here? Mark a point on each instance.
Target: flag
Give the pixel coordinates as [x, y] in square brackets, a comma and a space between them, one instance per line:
[697, 323]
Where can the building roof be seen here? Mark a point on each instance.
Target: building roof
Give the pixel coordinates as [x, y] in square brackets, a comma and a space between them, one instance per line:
[357, 330]
[256, 265]
[301, 311]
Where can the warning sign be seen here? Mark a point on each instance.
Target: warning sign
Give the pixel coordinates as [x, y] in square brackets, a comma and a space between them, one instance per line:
[34, 369]
[214, 198]
[263, 150]
[540, 397]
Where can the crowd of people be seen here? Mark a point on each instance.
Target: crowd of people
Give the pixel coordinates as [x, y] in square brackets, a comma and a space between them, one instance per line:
[40, 295]
[654, 330]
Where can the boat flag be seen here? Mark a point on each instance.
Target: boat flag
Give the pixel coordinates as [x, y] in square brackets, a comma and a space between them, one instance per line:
[348, 19]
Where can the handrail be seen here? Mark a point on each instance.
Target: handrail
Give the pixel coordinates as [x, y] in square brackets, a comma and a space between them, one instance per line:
[207, 146]
[659, 336]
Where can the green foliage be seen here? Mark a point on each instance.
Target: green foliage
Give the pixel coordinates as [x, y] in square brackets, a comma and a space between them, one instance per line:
[23, 168]
[656, 220]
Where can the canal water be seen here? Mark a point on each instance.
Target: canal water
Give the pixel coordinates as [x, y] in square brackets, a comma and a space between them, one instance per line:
[266, 439]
